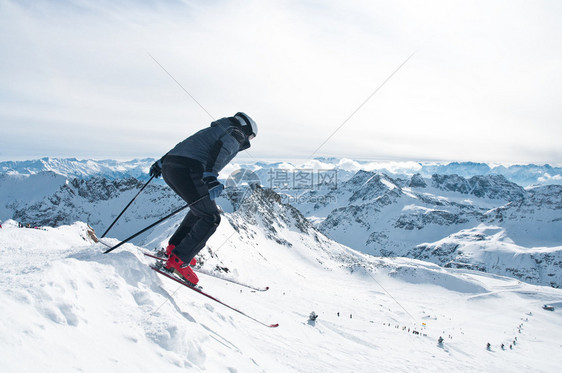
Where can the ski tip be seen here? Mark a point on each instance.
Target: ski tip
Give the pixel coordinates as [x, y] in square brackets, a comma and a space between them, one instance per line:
[273, 325]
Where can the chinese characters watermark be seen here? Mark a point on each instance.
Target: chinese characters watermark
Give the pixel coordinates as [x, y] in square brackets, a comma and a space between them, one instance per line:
[302, 179]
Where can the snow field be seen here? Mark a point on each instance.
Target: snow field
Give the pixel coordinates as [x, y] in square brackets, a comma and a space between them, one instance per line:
[67, 307]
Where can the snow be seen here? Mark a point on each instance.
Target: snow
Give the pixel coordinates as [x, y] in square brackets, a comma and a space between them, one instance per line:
[28, 188]
[490, 249]
[389, 185]
[422, 209]
[68, 307]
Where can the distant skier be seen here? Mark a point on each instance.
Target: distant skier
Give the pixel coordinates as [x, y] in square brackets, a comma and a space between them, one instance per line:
[191, 169]
[313, 316]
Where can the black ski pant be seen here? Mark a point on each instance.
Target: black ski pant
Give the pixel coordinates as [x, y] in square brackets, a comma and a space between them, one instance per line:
[185, 177]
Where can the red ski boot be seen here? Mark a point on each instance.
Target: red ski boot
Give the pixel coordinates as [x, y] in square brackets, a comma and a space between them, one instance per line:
[171, 248]
[183, 269]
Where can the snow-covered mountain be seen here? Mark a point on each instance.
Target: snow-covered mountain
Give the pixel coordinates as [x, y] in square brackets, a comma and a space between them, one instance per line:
[429, 218]
[485, 223]
[74, 168]
[66, 306]
[489, 249]
[54, 200]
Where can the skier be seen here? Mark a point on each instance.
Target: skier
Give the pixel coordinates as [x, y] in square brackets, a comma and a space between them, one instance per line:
[191, 169]
[313, 316]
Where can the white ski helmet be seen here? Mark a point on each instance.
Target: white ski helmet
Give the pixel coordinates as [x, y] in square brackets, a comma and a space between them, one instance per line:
[246, 121]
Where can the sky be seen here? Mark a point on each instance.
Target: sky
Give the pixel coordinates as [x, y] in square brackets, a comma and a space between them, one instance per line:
[385, 80]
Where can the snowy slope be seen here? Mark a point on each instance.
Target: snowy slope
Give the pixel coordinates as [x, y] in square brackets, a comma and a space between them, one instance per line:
[386, 216]
[16, 190]
[489, 249]
[66, 306]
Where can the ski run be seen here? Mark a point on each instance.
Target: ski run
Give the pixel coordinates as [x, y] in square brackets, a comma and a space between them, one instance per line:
[68, 307]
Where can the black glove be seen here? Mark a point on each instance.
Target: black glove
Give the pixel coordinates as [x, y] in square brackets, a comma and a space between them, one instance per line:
[215, 187]
[156, 169]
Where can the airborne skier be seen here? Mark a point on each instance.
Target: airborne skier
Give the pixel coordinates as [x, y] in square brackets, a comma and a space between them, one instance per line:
[191, 169]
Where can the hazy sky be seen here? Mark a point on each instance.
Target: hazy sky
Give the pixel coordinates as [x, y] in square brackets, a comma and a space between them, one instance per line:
[484, 84]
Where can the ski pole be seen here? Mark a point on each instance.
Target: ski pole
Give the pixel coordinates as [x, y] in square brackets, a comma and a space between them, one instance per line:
[126, 207]
[154, 224]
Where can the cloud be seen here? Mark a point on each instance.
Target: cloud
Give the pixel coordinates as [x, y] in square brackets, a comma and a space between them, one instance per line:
[484, 84]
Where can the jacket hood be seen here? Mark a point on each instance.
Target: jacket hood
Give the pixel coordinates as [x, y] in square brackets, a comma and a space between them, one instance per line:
[223, 122]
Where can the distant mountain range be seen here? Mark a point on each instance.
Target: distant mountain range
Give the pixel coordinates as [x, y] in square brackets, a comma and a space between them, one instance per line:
[484, 222]
[84, 169]
[524, 175]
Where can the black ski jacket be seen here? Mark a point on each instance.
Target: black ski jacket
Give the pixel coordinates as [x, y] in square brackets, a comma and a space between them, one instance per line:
[215, 146]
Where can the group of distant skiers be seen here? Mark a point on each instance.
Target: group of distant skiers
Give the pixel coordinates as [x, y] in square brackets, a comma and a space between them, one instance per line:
[20, 225]
[489, 346]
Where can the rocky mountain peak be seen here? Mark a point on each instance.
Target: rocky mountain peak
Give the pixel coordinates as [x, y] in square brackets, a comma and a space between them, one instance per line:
[482, 186]
[265, 206]
[368, 186]
[417, 181]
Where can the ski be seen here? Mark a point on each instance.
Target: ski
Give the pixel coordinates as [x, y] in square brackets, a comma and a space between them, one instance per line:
[216, 275]
[200, 291]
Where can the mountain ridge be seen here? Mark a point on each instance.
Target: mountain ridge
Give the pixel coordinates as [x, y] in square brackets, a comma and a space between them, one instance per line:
[524, 175]
[375, 213]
